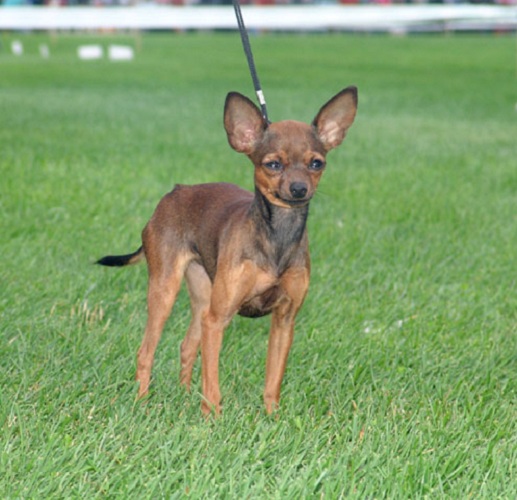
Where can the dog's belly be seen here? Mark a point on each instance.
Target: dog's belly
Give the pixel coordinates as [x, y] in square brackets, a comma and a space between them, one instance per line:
[262, 304]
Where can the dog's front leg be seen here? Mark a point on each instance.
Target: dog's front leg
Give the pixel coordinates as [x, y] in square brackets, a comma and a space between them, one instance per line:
[211, 342]
[294, 284]
[231, 287]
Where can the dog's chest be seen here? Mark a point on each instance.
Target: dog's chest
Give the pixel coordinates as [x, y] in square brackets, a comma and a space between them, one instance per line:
[283, 248]
[267, 292]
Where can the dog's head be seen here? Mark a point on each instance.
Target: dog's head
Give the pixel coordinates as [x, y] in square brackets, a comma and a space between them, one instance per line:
[289, 156]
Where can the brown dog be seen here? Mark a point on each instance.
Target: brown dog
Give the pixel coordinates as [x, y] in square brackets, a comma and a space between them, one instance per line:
[240, 253]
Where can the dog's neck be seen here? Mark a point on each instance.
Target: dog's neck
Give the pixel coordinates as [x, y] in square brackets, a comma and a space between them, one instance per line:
[280, 230]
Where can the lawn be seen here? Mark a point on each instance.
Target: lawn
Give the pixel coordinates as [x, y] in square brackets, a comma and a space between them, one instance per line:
[402, 379]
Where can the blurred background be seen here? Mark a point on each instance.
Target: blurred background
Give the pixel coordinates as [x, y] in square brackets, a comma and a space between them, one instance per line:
[245, 2]
[398, 16]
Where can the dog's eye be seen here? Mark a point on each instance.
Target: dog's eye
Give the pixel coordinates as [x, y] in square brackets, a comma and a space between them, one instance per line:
[273, 165]
[316, 164]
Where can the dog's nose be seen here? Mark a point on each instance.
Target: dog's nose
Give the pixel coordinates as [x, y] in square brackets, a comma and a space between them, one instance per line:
[298, 190]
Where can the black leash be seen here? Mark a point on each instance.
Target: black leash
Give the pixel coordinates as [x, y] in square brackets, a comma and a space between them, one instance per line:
[251, 62]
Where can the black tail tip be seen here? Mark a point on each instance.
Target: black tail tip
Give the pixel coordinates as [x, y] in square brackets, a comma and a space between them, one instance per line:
[121, 260]
[112, 261]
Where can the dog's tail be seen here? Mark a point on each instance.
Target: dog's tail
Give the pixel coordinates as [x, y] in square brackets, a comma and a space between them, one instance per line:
[122, 260]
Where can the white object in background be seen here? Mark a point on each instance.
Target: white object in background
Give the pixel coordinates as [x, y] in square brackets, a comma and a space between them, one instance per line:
[17, 47]
[121, 53]
[89, 52]
[44, 51]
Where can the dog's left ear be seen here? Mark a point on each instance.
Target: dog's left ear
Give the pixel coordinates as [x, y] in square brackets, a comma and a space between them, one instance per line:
[243, 122]
[336, 117]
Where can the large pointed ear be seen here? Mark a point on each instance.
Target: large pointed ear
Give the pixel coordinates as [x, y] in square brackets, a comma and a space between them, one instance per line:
[243, 122]
[335, 117]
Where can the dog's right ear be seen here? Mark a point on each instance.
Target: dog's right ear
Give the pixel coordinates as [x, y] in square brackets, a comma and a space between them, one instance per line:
[243, 122]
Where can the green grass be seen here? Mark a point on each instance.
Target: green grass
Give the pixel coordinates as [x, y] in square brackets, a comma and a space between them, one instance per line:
[402, 379]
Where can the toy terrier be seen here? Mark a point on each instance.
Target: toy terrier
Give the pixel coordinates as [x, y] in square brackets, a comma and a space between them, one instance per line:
[239, 252]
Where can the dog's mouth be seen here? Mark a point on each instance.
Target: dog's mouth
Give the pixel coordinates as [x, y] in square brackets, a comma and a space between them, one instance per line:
[293, 202]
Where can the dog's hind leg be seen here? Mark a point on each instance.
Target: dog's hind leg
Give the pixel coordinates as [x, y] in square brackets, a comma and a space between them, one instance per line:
[200, 291]
[164, 285]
